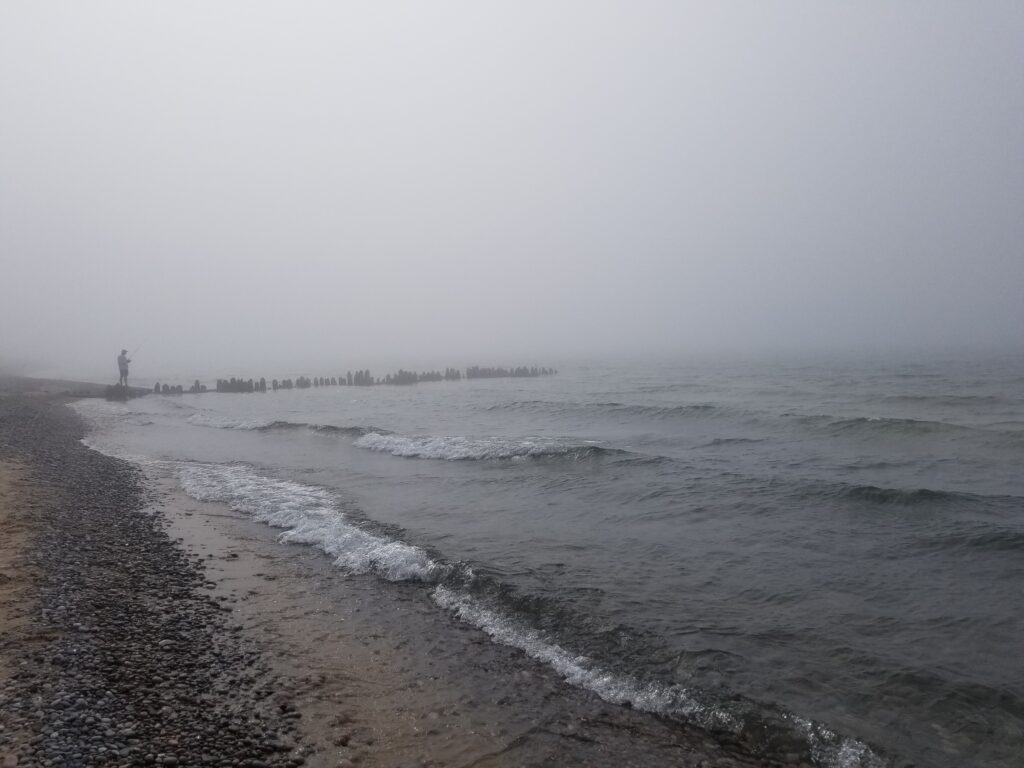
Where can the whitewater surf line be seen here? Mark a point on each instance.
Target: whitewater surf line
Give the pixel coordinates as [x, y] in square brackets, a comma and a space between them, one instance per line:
[462, 448]
[458, 448]
[312, 516]
[441, 447]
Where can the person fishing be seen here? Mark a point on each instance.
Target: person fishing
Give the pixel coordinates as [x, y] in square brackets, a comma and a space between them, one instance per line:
[122, 368]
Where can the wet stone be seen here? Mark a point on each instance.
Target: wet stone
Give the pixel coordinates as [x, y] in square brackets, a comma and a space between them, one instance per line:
[135, 658]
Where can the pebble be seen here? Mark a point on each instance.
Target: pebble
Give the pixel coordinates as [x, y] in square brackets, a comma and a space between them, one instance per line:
[112, 589]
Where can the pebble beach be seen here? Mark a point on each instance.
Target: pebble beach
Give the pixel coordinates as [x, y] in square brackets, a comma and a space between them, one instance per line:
[112, 652]
[138, 628]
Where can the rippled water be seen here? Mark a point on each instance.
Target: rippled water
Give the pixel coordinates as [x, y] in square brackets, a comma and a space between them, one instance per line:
[821, 559]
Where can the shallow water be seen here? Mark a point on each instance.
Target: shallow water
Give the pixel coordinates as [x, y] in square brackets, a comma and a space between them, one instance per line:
[830, 557]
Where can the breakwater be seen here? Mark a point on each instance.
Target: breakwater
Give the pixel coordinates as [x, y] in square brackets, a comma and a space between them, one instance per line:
[359, 378]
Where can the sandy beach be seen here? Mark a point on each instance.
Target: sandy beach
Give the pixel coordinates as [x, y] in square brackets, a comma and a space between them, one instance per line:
[140, 627]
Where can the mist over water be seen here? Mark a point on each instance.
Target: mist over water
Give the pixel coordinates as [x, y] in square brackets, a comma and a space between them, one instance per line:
[774, 250]
[827, 556]
[238, 187]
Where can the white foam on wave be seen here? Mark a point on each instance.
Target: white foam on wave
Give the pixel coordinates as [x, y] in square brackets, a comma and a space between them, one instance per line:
[828, 749]
[578, 670]
[311, 516]
[833, 750]
[446, 448]
[457, 448]
[221, 422]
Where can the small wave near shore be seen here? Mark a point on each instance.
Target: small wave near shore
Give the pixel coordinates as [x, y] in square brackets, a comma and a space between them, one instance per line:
[277, 425]
[457, 448]
[314, 516]
[842, 543]
[444, 447]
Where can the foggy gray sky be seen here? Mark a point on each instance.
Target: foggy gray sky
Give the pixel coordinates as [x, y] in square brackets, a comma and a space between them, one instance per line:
[282, 185]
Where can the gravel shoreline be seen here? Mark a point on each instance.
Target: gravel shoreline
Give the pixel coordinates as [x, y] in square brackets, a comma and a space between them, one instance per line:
[124, 659]
[139, 627]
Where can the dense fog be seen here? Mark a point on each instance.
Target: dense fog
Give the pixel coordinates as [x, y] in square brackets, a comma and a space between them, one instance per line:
[224, 187]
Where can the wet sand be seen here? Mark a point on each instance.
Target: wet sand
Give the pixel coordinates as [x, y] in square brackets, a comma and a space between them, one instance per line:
[382, 675]
[267, 653]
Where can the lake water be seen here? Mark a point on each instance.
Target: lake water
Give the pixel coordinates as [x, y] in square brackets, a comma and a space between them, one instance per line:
[828, 559]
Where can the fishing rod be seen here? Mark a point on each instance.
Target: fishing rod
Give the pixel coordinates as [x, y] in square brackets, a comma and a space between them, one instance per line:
[137, 349]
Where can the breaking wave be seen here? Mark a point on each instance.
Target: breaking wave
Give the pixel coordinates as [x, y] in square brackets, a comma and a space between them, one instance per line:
[579, 670]
[446, 448]
[762, 731]
[327, 429]
[311, 516]
[205, 420]
[221, 422]
[457, 448]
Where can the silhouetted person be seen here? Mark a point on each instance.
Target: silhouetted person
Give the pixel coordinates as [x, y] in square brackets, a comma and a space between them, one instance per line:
[122, 368]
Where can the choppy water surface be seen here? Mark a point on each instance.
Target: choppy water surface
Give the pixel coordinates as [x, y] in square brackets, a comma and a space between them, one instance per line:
[826, 560]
